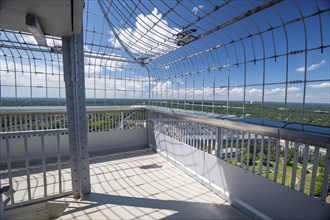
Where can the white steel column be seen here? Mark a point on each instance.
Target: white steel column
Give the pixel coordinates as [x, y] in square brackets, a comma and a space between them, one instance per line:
[73, 63]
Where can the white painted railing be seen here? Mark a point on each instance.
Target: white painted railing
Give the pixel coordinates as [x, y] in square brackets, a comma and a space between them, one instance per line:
[296, 159]
[99, 119]
[34, 147]
[33, 179]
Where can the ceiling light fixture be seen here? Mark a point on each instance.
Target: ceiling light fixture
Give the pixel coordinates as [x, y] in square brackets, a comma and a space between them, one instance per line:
[185, 37]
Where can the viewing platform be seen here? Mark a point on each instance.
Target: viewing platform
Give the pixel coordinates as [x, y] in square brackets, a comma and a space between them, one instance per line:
[133, 185]
[144, 109]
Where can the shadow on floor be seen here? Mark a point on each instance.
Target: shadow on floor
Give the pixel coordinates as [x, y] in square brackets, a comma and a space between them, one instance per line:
[104, 204]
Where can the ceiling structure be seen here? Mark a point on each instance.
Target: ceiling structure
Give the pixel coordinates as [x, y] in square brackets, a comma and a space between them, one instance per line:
[58, 18]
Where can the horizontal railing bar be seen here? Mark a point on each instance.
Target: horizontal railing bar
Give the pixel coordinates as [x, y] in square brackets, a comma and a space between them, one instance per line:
[116, 109]
[19, 111]
[280, 133]
[233, 125]
[32, 132]
[61, 110]
[58, 50]
[305, 138]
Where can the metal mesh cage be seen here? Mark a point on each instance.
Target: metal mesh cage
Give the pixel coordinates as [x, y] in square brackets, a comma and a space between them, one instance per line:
[243, 59]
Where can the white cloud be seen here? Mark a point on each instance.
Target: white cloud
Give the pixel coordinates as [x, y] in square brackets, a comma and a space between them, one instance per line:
[281, 90]
[293, 89]
[94, 62]
[37, 75]
[27, 38]
[119, 87]
[311, 67]
[196, 9]
[26, 76]
[51, 42]
[319, 86]
[143, 39]
[164, 90]
[164, 87]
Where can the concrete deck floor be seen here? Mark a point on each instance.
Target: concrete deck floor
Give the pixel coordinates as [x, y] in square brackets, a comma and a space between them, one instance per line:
[143, 185]
[132, 185]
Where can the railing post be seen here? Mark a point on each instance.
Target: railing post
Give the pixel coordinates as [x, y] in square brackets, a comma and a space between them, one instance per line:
[122, 121]
[74, 77]
[219, 141]
[148, 118]
[326, 176]
[2, 209]
[150, 131]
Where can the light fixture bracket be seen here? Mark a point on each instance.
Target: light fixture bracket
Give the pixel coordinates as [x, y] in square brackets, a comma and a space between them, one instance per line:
[34, 27]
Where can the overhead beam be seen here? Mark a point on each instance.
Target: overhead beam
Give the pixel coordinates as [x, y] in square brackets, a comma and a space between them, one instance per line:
[58, 50]
[229, 22]
[241, 17]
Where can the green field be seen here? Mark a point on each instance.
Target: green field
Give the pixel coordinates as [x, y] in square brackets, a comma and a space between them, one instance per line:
[314, 114]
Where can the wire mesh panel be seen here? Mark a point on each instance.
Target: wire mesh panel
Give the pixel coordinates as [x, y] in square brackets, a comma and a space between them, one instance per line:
[265, 60]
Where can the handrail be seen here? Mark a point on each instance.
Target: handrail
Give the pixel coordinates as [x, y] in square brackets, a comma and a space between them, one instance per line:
[32, 132]
[62, 110]
[280, 133]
